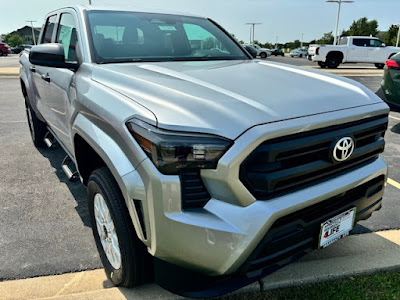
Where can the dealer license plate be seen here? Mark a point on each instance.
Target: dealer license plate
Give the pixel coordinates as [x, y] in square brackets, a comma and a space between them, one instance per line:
[336, 228]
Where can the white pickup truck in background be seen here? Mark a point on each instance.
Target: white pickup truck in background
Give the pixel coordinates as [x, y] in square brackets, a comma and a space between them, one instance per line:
[353, 49]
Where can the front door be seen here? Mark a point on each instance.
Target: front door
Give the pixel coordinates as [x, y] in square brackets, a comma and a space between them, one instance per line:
[62, 88]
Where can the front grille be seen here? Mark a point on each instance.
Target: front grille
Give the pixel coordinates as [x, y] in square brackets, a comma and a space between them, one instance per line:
[194, 193]
[282, 165]
[294, 235]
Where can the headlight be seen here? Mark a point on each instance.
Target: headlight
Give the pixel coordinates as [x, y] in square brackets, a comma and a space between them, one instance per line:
[173, 151]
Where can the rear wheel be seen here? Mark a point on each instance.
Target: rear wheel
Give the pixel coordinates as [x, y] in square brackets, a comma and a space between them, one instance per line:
[37, 128]
[263, 55]
[332, 62]
[123, 255]
[380, 66]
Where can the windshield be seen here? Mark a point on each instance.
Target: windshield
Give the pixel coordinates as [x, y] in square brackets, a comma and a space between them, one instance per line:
[136, 37]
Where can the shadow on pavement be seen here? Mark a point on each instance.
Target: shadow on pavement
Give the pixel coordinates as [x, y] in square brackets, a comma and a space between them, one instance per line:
[78, 190]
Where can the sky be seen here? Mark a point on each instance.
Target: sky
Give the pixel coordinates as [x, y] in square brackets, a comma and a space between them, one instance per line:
[285, 20]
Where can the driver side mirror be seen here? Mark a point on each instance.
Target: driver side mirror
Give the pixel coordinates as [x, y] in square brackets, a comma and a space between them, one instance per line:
[383, 45]
[50, 55]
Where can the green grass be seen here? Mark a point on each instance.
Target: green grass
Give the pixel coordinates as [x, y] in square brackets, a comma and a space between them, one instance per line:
[380, 286]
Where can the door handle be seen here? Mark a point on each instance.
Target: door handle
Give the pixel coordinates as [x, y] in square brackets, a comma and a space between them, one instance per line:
[46, 77]
[32, 69]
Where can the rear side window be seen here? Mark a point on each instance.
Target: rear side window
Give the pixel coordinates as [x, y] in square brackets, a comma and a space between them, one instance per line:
[361, 42]
[396, 57]
[343, 41]
[48, 29]
[67, 36]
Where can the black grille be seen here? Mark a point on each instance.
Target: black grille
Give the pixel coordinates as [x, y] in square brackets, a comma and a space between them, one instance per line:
[296, 234]
[194, 193]
[283, 164]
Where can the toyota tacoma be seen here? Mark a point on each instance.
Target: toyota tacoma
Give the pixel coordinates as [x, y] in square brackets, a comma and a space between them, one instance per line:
[205, 169]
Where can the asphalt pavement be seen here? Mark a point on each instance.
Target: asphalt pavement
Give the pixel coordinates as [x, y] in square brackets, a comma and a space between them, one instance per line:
[44, 223]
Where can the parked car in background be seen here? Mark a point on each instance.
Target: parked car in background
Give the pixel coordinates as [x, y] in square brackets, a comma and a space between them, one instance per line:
[20, 48]
[4, 49]
[262, 52]
[299, 53]
[354, 49]
[277, 52]
[251, 50]
[390, 85]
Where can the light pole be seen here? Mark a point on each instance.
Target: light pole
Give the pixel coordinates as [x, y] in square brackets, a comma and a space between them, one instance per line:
[338, 16]
[90, 2]
[398, 34]
[253, 26]
[33, 31]
[302, 38]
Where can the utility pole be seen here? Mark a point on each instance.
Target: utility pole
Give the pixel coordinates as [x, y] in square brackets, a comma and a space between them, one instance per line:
[90, 2]
[276, 42]
[338, 16]
[33, 31]
[302, 38]
[253, 26]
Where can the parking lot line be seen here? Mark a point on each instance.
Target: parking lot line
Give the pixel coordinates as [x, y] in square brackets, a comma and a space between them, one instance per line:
[395, 118]
[394, 183]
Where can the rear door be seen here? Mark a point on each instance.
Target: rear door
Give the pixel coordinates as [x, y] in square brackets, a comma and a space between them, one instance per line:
[61, 85]
[38, 73]
[358, 50]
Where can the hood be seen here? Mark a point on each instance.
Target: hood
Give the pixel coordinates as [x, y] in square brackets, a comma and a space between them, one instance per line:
[228, 97]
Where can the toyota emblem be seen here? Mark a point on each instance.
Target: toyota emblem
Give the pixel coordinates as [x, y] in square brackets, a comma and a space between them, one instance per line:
[343, 149]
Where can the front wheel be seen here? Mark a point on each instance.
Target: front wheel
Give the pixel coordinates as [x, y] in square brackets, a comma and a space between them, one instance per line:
[263, 55]
[380, 66]
[123, 255]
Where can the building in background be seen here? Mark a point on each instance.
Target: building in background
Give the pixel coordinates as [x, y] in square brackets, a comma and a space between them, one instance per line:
[26, 33]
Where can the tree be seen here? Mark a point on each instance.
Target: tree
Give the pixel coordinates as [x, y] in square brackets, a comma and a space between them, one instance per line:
[327, 39]
[13, 40]
[362, 27]
[390, 36]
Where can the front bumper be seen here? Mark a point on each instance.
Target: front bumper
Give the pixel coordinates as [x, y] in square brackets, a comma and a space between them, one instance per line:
[288, 239]
[221, 237]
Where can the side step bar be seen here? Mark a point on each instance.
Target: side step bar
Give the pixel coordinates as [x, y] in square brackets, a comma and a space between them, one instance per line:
[69, 169]
[68, 165]
[49, 140]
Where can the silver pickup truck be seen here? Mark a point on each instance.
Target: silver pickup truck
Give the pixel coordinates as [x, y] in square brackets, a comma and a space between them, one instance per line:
[205, 169]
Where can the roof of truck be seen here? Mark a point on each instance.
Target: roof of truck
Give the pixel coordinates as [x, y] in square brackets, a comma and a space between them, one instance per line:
[130, 8]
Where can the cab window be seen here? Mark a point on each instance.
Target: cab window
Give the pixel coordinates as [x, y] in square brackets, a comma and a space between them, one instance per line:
[361, 42]
[48, 29]
[67, 36]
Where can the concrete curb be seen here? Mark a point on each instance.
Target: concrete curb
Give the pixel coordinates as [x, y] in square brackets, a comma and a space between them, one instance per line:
[354, 255]
[9, 72]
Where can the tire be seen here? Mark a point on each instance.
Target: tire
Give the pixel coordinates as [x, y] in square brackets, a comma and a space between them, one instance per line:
[37, 128]
[322, 64]
[263, 55]
[332, 62]
[130, 269]
[380, 66]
